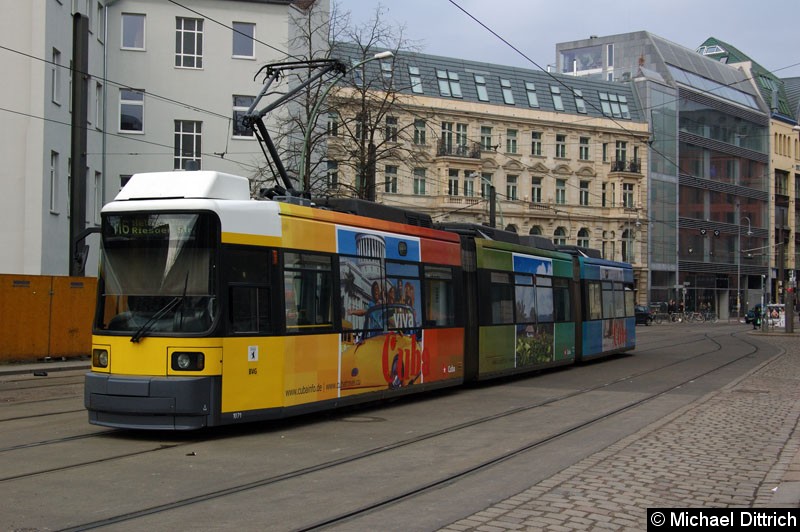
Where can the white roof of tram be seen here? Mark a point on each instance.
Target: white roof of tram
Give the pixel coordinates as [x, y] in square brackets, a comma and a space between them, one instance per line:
[195, 184]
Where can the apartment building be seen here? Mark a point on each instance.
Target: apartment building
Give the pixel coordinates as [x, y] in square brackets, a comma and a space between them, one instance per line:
[35, 140]
[566, 156]
[165, 87]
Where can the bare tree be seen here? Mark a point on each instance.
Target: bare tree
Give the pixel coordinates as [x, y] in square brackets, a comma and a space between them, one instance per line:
[369, 100]
[353, 108]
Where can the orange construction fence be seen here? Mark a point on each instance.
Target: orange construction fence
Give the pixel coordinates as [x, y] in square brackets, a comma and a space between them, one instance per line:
[45, 316]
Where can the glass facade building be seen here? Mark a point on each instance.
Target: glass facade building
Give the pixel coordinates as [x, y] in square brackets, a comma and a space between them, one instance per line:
[708, 179]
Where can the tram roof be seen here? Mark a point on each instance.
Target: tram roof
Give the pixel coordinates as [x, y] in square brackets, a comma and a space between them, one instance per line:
[195, 184]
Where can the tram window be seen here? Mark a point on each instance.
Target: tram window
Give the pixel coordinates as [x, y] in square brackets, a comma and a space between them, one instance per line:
[525, 299]
[439, 297]
[544, 298]
[629, 302]
[249, 309]
[594, 300]
[247, 266]
[562, 306]
[502, 297]
[308, 289]
[403, 306]
[608, 300]
[247, 273]
[362, 292]
[619, 301]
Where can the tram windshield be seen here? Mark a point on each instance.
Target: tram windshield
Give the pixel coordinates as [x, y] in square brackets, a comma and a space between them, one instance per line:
[157, 273]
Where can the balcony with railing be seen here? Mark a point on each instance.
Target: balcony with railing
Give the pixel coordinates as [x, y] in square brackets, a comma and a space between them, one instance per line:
[632, 166]
[471, 150]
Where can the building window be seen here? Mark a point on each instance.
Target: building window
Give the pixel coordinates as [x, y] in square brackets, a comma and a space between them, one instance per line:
[416, 79]
[603, 196]
[357, 67]
[244, 34]
[461, 138]
[98, 105]
[561, 191]
[530, 89]
[362, 128]
[536, 143]
[419, 181]
[469, 183]
[627, 195]
[419, 132]
[621, 151]
[614, 105]
[240, 106]
[580, 103]
[333, 124]
[627, 245]
[511, 141]
[605, 152]
[100, 22]
[133, 31]
[486, 138]
[452, 182]
[447, 137]
[131, 111]
[486, 183]
[55, 76]
[561, 146]
[390, 174]
[583, 237]
[480, 85]
[583, 149]
[387, 71]
[54, 184]
[558, 102]
[98, 196]
[391, 129]
[584, 193]
[449, 84]
[511, 187]
[332, 174]
[187, 145]
[508, 95]
[188, 42]
[536, 189]
[560, 236]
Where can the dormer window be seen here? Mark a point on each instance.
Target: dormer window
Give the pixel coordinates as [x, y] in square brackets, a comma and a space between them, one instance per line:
[508, 95]
[449, 84]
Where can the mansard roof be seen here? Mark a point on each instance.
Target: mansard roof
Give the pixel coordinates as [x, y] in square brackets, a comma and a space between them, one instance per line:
[484, 83]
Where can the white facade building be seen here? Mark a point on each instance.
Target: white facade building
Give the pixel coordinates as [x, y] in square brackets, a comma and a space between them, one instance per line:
[165, 82]
[35, 134]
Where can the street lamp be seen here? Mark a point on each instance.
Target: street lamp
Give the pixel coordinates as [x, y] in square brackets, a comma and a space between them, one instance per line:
[739, 264]
[312, 117]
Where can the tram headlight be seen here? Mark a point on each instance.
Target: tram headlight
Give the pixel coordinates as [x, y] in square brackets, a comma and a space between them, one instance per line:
[188, 361]
[100, 358]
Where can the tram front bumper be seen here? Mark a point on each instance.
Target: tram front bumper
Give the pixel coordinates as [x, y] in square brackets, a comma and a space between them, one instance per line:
[167, 403]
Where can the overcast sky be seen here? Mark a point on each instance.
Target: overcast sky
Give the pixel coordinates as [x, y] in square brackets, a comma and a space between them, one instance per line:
[767, 31]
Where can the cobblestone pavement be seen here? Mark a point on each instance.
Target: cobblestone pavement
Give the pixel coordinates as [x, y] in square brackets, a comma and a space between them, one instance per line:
[735, 447]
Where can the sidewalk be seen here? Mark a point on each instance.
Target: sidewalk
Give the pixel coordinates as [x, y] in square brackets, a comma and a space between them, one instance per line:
[737, 447]
[47, 366]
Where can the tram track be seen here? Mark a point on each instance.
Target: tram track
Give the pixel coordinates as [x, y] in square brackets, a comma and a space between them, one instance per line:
[378, 505]
[441, 481]
[485, 419]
